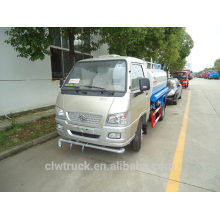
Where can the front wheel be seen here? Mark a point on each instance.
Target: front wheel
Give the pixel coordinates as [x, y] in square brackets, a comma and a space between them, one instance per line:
[175, 102]
[136, 143]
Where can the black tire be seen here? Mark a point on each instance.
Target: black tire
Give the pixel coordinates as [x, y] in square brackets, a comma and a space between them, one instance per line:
[185, 87]
[180, 96]
[162, 112]
[136, 142]
[175, 102]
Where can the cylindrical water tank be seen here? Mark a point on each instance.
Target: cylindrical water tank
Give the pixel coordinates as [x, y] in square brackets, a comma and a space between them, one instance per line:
[158, 79]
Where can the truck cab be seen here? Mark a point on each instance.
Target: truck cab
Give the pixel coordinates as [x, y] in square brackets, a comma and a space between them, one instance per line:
[190, 73]
[105, 103]
[182, 76]
[214, 74]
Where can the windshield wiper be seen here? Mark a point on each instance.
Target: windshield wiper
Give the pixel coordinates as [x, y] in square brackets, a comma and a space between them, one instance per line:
[102, 89]
[96, 87]
[76, 87]
[110, 92]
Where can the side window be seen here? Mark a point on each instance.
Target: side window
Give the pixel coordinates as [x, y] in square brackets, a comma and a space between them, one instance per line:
[136, 74]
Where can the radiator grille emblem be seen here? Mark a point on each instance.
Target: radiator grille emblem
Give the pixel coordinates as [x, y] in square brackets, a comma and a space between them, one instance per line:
[82, 117]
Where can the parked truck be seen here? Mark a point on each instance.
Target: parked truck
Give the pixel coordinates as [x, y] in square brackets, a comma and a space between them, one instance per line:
[183, 78]
[214, 74]
[202, 75]
[207, 74]
[106, 102]
[189, 72]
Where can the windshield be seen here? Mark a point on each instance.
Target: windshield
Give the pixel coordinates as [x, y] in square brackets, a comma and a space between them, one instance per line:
[214, 71]
[187, 71]
[171, 84]
[179, 75]
[97, 75]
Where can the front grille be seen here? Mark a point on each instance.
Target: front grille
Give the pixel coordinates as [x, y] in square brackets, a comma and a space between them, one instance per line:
[85, 134]
[85, 118]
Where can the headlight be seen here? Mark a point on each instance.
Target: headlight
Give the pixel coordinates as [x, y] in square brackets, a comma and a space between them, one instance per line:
[59, 113]
[172, 92]
[118, 119]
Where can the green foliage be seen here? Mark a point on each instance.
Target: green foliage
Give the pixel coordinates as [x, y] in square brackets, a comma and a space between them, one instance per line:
[217, 64]
[20, 133]
[204, 70]
[30, 42]
[33, 42]
[14, 123]
[168, 45]
[185, 44]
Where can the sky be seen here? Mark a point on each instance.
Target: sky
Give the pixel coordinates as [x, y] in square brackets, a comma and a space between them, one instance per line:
[203, 26]
[206, 46]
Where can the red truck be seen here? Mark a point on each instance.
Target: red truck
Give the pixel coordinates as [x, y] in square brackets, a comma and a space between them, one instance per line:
[206, 75]
[190, 75]
[183, 78]
[203, 75]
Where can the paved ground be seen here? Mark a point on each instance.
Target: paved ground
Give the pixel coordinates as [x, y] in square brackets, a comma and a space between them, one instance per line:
[27, 171]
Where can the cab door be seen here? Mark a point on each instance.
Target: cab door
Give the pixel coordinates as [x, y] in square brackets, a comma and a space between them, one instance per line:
[140, 103]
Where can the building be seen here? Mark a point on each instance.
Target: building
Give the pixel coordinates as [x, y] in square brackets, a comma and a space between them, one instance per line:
[26, 85]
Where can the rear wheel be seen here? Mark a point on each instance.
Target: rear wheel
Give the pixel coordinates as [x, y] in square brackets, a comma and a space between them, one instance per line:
[136, 143]
[162, 112]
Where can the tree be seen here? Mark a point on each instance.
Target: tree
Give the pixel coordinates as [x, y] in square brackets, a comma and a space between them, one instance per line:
[185, 44]
[33, 42]
[168, 45]
[217, 64]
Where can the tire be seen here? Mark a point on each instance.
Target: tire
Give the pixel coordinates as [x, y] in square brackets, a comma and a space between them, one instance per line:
[175, 102]
[136, 142]
[185, 87]
[162, 112]
[180, 96]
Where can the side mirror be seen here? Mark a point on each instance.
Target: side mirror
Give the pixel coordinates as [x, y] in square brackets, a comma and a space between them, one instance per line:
[144, 84]
[61, 82]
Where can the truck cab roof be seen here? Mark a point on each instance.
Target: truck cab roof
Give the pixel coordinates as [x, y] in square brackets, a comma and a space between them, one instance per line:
[114, 57]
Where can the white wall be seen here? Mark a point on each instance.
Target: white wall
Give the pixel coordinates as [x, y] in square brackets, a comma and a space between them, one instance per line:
[24, 84]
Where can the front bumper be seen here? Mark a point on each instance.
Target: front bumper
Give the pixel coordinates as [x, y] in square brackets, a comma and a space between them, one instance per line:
[170, 98]
[95, 136]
